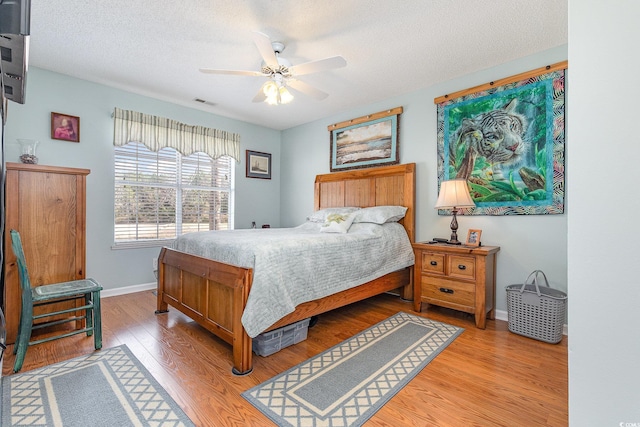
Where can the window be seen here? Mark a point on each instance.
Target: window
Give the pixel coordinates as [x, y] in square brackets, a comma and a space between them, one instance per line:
[171, 178]
[161, 195]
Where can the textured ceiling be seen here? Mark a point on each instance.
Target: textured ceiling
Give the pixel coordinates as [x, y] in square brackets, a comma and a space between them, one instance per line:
[155, 47]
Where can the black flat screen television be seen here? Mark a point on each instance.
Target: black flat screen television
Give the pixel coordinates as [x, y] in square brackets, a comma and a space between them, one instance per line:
[15, 17]
[15, 27]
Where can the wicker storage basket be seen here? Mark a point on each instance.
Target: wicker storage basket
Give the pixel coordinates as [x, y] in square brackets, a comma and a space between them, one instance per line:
[536, 311]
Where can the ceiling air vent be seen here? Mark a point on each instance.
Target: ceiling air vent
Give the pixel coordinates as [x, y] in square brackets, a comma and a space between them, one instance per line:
[203, 101]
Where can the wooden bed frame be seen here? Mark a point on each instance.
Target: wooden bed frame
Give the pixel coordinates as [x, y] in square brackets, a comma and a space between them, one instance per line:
[214, 294]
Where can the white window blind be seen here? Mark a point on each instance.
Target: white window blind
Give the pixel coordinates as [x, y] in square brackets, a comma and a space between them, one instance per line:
[161, 195]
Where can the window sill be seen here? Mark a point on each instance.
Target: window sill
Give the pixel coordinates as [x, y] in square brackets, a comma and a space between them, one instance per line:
[142, 244]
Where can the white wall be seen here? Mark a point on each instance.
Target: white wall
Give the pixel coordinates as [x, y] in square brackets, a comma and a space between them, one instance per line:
[94, 103]
[604, 289]
[527, 242]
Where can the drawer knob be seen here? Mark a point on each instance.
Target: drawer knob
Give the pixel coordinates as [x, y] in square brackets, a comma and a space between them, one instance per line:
[434, 262]
[462, 266]
[446, 291]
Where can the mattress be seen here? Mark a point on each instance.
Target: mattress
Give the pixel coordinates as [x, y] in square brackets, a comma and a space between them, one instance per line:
[299, 264]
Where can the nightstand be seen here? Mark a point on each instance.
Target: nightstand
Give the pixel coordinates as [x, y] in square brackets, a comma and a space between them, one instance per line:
[456, 276]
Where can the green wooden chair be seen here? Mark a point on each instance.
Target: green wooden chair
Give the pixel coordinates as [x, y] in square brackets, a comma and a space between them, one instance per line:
[48, 294]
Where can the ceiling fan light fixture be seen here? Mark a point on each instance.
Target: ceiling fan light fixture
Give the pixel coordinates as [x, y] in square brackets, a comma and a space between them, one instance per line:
[276, 93]
[271, 93]
[272, 100]
[270, 89]
[285, 95]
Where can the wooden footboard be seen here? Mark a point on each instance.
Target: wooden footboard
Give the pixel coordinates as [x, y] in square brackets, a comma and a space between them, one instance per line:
[214, 295]
[211, 293]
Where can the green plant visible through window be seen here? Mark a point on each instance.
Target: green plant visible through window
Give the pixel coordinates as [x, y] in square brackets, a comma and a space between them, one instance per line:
[161, 195]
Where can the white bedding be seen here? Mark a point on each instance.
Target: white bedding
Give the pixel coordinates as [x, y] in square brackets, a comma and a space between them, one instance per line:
[295, 265]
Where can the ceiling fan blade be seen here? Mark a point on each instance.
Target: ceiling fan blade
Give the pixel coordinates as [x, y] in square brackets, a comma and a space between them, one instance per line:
[263, 43]
[319, 65]
[307, 89]
[260, 96]
[232, 72]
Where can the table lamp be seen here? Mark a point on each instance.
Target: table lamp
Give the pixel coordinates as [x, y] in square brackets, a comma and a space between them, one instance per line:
[454, 194]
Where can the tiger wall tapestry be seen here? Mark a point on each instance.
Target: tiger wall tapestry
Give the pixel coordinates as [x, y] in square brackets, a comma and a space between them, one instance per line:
[507, 139]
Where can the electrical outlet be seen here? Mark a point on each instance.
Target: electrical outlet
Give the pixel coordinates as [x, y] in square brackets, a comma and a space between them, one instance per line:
[154, 262]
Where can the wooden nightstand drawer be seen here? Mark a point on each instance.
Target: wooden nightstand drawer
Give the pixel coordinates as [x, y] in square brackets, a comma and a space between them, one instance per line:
[458, 293]
[433, 263]
[463, 267]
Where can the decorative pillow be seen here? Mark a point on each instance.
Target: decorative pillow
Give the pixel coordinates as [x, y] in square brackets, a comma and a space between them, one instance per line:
[380, 214]
[337, 223]
[322, 214]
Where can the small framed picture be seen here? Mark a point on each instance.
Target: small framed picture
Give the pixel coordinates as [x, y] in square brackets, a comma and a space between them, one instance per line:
[473, 237]
[65, 127]
[258, 165]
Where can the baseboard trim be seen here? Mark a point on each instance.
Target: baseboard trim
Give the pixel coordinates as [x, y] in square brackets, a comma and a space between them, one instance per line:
[500, 314]
[128, 290]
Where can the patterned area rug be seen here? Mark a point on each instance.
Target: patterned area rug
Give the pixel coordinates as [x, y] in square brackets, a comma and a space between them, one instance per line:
[106, 388]
[347, 384]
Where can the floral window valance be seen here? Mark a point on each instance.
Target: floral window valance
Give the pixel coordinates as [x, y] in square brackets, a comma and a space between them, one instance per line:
[159, 132]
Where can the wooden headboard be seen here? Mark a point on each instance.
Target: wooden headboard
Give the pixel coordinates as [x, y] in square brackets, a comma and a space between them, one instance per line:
[387, 185]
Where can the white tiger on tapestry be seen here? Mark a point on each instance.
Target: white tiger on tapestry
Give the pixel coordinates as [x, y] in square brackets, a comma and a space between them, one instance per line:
[495, 135]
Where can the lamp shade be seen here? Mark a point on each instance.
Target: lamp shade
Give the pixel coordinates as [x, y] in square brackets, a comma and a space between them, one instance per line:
[454, 194]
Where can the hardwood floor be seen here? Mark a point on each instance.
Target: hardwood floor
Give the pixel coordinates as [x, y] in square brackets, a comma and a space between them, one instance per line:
[484, 378]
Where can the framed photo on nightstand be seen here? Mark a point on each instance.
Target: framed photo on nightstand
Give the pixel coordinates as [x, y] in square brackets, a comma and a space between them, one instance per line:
[473, 237]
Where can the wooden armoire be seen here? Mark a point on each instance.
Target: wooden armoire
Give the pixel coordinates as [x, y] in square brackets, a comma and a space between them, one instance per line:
[47, 206]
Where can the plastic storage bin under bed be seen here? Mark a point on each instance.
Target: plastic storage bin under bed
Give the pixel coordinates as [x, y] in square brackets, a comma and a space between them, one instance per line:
[271, 342]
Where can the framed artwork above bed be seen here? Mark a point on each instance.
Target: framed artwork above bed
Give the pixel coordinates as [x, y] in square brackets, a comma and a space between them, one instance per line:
[365, 142]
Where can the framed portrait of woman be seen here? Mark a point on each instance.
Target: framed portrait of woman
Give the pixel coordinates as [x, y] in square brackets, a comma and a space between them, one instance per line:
[65, 127]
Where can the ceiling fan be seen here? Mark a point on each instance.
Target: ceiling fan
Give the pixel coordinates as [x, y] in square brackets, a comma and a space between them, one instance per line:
[281, 73]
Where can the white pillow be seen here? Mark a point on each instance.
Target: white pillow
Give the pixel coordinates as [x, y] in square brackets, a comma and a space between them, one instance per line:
[380, 214]
[322, 214]
[337, 223]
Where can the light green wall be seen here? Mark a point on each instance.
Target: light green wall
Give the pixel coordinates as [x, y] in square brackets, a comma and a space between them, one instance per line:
[256, 199]
[528, 242]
